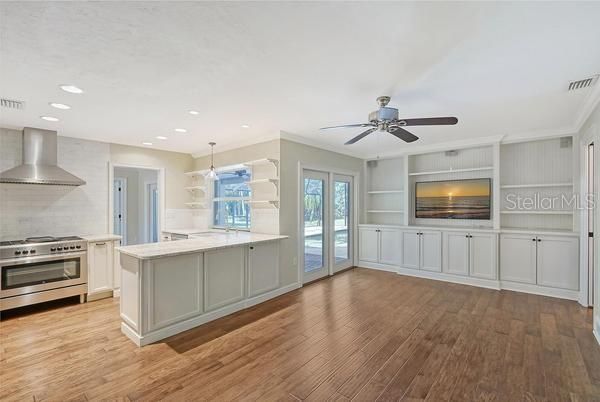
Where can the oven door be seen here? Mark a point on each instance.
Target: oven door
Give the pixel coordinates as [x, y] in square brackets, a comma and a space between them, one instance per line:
[21, 276]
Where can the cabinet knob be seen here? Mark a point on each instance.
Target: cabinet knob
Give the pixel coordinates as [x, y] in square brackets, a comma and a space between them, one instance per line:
[251, 248]
[539, 239]
[532, 239]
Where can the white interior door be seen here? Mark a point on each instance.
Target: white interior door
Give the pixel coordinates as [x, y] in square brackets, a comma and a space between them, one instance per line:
[342, 235]
[315, 224]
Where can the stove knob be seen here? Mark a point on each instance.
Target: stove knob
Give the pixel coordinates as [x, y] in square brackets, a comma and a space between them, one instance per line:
[72, 247]
[25, 251]
[77, 247]
[17, 252]
[52, 248]
[58, 248]
[31, 251]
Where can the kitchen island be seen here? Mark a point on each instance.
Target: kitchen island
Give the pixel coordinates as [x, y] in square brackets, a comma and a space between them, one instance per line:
[172, 286]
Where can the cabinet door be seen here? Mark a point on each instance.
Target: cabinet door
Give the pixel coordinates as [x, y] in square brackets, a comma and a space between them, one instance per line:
[431, 251]
[100, 266]
[483, 255]
[368, 244]
[223, 277]
[410, 249]
[389, 246]
[456, 253]
[558, 262]
[518, 258]
[263, 268]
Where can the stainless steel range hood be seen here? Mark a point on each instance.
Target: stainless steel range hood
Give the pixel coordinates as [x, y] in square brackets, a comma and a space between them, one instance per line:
[39, 162]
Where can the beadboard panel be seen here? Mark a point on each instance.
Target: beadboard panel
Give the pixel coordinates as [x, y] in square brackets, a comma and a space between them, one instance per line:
[382, 175]
[464, 159]
[33, 210]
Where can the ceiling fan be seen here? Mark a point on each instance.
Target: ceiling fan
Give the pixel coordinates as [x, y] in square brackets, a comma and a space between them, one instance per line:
[386, 119]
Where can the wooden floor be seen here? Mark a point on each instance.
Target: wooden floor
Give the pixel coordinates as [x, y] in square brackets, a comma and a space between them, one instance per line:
[362, 335]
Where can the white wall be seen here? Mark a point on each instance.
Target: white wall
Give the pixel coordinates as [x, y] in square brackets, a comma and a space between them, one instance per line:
[35, 210]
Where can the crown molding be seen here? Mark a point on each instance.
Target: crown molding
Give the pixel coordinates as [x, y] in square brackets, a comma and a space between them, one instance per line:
[589, 106]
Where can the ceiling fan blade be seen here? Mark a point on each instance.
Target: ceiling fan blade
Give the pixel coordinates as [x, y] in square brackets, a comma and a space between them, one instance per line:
[428, 121]
[360, 136]
[402, 134]
[349, 125]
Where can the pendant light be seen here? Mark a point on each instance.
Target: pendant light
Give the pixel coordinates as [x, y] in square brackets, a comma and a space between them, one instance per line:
[211, 175]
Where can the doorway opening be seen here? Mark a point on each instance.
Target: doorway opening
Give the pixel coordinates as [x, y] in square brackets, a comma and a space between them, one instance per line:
[136, 204]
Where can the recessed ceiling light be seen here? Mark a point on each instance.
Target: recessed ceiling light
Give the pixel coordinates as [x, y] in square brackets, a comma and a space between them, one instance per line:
[245, 126]
[194, 112]
[147, 143]
[71, 89]
[160, 137]
[60, 105]
[181, 130]
[49, 118]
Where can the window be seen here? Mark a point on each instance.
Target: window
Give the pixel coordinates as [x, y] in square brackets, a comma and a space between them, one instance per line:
[230, 193]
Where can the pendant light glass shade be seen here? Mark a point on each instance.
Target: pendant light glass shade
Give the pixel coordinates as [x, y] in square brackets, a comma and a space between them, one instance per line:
[211, 175]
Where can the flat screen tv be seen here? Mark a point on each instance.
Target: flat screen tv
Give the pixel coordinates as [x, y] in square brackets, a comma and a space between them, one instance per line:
[453, 199]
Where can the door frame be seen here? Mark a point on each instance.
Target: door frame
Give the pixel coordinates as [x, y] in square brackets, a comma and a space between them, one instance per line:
[589, 137]
[351, 233]
[161, 193]
[123, 197]
[148, 187]
[300, 230]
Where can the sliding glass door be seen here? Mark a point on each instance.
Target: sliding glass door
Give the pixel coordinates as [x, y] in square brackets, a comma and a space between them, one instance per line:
[327, 223]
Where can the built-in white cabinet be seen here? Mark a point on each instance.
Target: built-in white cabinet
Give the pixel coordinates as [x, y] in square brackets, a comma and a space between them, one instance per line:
[263, 268]
[100, 266]
[422, 249]
[471, 254]
[542, 260]
[380, 245]
[104, 276]
[224, 275]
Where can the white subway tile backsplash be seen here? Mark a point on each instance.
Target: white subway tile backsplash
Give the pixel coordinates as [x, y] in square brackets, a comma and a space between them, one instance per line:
[30, 210]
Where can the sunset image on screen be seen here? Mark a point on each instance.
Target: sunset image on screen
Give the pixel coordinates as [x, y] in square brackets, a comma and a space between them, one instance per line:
[455, 199]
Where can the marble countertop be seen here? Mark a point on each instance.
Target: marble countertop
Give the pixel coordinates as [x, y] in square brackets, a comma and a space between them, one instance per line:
[101, 237]
[198, 244]
[186, 231]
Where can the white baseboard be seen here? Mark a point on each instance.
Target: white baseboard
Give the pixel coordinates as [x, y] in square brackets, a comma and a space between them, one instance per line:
[479, 282]
[193, 322]
[540, 290]
[441, 276]
[99, 295]
[117, 292]
[596, 333]
[377, 266]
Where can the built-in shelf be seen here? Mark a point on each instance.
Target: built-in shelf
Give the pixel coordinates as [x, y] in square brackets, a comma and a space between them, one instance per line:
[264, 203]
[196, 173]
[384, 211]
[196, 204]
[540, 185]
[259, 181]
[386, 192]
[264, 161]
[196, 188]
[537, 212]
[451, 171]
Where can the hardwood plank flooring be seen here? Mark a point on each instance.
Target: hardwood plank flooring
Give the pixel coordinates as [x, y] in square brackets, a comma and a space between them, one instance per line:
[361, 335]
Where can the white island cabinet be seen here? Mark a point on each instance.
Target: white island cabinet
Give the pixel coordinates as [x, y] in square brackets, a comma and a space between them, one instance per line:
[170, 287]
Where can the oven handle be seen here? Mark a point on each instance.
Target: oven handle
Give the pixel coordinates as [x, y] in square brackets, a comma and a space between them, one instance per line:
[42, 258]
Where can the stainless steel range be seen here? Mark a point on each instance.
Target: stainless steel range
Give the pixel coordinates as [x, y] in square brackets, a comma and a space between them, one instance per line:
[39, 269]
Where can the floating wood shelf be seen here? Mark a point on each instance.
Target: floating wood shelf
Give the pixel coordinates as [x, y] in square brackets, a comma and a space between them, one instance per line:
[452, 171]
[537, 212]
[386, 192]
[540, 185]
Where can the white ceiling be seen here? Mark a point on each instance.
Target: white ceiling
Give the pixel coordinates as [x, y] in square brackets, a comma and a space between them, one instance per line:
[501, 68]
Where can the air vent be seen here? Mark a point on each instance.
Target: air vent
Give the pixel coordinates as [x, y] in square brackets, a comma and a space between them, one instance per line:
[372, 164]
[587, 82]
[566, 142]
[12, 104]
[452, 152]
